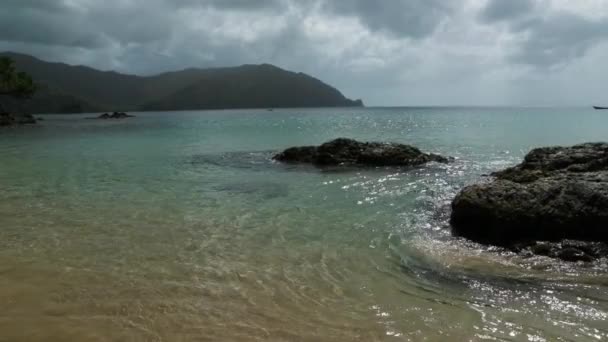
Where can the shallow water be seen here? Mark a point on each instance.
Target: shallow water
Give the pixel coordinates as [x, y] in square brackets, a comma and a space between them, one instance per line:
[178, 226]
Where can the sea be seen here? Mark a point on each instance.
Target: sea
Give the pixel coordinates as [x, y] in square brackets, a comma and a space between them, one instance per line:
[179, 226]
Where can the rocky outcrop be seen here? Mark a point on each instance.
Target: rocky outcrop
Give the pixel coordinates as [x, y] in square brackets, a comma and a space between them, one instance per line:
[568, 250]
[354, 153]
[7, 119]
[115, 115]
[556, 194]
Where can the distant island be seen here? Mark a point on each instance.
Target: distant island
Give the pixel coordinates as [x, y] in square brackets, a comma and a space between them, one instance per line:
[80, 89]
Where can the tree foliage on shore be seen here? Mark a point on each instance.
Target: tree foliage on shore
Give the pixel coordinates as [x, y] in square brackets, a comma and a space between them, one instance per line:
[15, 83]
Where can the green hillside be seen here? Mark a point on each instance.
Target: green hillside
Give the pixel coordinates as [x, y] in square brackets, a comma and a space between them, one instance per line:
[74, 89]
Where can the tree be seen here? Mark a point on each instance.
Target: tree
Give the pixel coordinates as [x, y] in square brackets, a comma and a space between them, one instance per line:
[18, 85]
[15, 83]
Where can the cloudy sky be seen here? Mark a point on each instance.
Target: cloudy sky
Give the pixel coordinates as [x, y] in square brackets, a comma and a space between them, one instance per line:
[390, 52]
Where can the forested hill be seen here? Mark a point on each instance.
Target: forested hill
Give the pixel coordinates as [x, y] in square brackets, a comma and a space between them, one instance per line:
[74, 89]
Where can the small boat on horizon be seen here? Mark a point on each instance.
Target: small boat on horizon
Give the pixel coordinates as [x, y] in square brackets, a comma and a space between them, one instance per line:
[599, 108]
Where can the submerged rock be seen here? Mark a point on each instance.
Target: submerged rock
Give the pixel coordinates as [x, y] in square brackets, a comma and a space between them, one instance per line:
[8, 119]
[556, 194]
[263, 189]
[115, 115]
[568, 250]
[351, 152]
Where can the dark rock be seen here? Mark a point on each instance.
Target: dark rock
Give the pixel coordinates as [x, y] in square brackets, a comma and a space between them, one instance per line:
[25, 119]
[594, 249]
[568, 250]
[550, 161]
[115, 115]
[542, 249]
[573, 255]
[8, 119]
[305, 154]
[351, 152]
[557, 193]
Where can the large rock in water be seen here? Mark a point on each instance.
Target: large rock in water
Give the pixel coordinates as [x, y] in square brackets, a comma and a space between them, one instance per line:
[351, 152]
[557, 194]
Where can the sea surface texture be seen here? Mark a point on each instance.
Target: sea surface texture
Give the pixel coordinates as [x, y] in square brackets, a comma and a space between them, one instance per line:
[180, 227]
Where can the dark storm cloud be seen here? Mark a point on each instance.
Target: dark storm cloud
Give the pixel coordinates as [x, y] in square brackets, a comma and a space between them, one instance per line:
[547, 38]
[558, 39]
[497, 10]
[95, 24]
[242, 4]
[406, 18]
[62, 24]
[43, 22]
[10, 5]
[388, 52]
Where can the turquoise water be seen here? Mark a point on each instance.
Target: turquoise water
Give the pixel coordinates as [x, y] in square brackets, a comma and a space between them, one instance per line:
[178, 226]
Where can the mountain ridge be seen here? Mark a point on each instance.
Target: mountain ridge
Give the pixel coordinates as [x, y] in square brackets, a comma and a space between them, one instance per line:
[77, 88]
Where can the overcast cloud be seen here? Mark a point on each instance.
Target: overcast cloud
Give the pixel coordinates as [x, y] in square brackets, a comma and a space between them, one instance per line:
[393, 52]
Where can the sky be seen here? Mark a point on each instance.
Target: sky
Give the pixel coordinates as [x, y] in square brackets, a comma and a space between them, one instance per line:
[386, 52]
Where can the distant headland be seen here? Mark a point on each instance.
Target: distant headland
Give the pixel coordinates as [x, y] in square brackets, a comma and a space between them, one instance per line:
[80, 89]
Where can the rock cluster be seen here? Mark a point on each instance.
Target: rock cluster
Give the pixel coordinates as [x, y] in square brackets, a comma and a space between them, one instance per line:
[354, 153]
[556, 194]
[115, 115]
